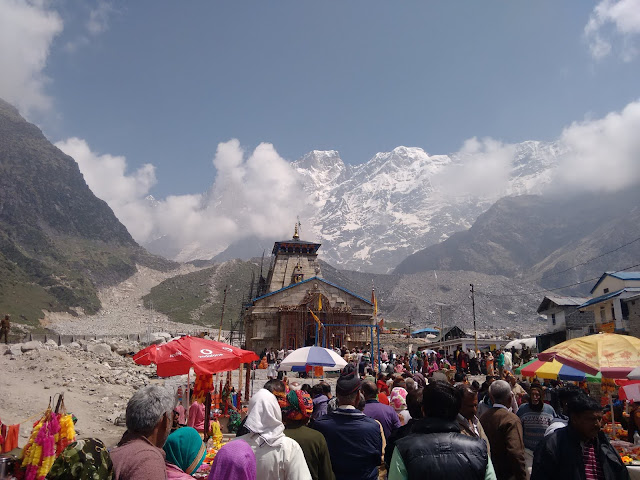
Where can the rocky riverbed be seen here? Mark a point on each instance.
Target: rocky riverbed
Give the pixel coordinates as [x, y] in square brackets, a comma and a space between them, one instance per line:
[96, 382]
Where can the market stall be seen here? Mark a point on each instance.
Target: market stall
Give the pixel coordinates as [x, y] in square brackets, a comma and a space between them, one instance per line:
[206, 358]
[615, 358]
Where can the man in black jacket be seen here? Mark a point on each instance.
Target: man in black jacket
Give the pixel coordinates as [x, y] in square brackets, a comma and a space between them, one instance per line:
[354, 440]
[580, 450]
[436, 449]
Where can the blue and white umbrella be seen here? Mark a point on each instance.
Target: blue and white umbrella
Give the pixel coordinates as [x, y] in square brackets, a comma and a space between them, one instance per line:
[300, 359]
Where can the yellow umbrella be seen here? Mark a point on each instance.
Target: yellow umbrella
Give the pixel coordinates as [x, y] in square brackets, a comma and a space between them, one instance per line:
[549, 370]
[611, 354]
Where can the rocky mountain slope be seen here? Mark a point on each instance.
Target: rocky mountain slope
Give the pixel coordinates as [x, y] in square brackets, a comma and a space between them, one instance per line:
[58, 241]
[538, 239]
[196, 297]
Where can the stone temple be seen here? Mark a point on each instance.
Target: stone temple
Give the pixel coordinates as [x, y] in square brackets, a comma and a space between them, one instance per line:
[294, 304]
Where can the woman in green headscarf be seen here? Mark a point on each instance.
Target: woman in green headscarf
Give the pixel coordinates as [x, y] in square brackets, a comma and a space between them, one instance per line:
[185, 453]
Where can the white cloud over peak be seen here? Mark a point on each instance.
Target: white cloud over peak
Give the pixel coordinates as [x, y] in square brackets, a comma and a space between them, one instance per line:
[602, 154]
[109, 180]
[481, 169]
[260, 194]
[27, 29]
[257, 195]
[611, 19]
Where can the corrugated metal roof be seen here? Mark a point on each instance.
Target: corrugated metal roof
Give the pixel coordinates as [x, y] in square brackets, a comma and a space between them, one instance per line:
[308, 280]
[563, 301]
[425, 330]
[626, 275]
[619, 275]
[623, 293]
[559, 300]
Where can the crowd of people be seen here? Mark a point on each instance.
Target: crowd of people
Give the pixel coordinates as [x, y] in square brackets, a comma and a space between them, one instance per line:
[397, 426]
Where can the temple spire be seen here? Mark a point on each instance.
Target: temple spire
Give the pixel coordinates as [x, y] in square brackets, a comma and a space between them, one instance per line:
[296, 234]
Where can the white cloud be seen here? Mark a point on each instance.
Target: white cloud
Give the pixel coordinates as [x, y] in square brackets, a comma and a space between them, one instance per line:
[257, 195]
[481, 169]
[611, 19]
[27, 29]
[109, 180]
[602, 154]
[99, 18]
[97, 24]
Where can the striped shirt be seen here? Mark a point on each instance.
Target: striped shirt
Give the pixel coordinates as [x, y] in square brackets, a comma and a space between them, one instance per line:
[592, 468]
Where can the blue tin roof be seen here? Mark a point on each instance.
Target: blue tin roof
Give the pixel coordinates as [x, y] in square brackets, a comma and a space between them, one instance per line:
[308, 280]
[630, 291]
[425, 330]
[619, 275]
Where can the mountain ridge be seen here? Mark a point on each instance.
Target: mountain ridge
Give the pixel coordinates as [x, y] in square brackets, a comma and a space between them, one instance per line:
[58, 241]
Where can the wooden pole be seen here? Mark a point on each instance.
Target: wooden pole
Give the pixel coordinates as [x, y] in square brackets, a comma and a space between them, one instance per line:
[247, 381]
[207, 416]
[224, 301]
[239, 394]
[188, 392]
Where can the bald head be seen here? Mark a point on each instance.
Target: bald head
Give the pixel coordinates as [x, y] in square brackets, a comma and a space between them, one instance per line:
[369, 390]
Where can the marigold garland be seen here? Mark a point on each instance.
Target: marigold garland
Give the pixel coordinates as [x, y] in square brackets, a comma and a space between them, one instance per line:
[202, 386]
[50, 435]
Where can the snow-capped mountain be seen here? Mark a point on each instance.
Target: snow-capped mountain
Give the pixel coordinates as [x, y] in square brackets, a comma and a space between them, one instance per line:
[371, 216]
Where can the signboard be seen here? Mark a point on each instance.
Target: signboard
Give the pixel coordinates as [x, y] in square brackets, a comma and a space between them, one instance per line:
[607, 327]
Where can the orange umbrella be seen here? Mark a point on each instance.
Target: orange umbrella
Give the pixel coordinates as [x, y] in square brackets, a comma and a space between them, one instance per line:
[611, 354]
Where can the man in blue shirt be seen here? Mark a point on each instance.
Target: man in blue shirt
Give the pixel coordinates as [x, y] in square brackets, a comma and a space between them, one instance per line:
[385, 414]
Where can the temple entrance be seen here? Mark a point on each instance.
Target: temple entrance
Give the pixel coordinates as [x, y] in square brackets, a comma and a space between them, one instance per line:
[310, 335]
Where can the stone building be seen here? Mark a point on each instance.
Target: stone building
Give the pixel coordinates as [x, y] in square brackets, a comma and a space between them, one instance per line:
[295, 307]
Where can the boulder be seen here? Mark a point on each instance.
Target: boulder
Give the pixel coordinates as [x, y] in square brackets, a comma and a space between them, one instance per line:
[74, 346]
[163, 335]
[123, 350]
[52, 344]
[14, 349]
[32, 345]
[99, 348]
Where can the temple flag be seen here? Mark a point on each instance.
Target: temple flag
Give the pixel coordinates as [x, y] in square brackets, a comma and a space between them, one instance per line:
[374, 301]
[315, 317]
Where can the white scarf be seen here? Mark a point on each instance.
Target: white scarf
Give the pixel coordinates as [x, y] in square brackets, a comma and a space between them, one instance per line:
[265, 417]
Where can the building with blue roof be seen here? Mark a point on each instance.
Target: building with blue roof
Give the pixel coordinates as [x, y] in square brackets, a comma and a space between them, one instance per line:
[613, 302]
[295, 307]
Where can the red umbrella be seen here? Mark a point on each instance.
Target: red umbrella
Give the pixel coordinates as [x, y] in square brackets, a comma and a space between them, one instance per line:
[205, 356]
[146, 356]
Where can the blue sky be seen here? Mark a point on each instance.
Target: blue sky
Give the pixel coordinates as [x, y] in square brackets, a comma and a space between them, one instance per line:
[154, 87]
[165, 82]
